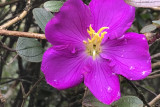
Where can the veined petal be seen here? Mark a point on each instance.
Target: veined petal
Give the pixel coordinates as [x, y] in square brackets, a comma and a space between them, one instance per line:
[115, 14]
[101, 82]
[63, 68]
[70, 24]
[130, 55]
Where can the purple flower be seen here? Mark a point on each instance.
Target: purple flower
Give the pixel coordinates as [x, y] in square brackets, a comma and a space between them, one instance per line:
[90, 45]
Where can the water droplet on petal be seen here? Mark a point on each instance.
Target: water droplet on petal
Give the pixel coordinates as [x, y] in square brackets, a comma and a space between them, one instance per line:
[121, 37]
[149, 60]
[118, 95]
[109, 89]
[131, 78]
[55, 81]
[125, 41]
[122, 56]
[131, 68]
[101, 90]
[143, 38]
[144, 72]
[95, 77]
[81, 76]
[73, 50]
[113, 73]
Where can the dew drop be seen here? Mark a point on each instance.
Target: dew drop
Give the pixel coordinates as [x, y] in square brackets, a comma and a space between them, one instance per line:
[109, 89]
[149, 60]
[113, 73]
[122, 56]
[125, 41]
[95, 77]
[55, 81]
[101, 90]
[81, 76]
[131, 68]
[73, 50]
[144, 72]
[118, 95]
[121, 37]
[143, 38]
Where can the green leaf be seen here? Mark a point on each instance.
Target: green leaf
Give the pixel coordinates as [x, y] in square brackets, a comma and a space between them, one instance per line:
[148, 28]
[29, 49]
[156, 22]
[42, 17]
[128, 101]
[90, 101]
[53, 6]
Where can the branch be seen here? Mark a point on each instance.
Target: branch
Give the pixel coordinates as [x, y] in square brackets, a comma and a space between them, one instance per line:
[157, 98]
[19, 17]
[155, 65]
[155, 55]
[8, 3]
[29, 92]
[6, 47]
[2, 99]
[138, 92]
[22, 34]
[10, 91]
[153, 76]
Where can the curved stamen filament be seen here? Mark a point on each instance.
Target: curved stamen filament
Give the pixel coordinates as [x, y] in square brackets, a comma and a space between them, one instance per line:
[93, 45]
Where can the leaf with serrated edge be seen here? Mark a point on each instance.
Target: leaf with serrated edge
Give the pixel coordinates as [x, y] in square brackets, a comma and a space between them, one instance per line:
[29, 49]
[90, 101]
[53, 6]
[42, 17]
[128, 101]
[148, 28]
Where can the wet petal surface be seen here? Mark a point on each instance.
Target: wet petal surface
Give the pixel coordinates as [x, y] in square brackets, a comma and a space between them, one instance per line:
[102, 82]
[115, 14]
[63, 68]
[129, 56]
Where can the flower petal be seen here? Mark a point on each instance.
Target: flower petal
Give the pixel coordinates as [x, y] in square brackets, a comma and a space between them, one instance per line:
[70, 24]
[63, 68]
[101, 82]
[130, 55]
[115, 14]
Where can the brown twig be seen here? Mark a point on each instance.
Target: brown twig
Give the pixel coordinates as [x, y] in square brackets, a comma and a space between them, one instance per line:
[29, 92]
[22, 34]
[19, 17]
[157, 98]
[2, 99]
[8, 3]
[155, 65]
[6, 47]
[10, 90]
[138, 92]
[153, 76]
[155, 72]
[155, 55]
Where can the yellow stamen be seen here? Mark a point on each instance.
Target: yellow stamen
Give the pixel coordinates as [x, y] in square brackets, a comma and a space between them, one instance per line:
[93, 47]
[101, 29]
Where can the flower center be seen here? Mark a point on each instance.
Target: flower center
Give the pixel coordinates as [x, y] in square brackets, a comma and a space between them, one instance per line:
[93, 46]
